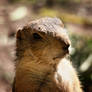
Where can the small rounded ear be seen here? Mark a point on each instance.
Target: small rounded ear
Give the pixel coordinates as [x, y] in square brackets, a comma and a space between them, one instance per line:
[23, 34]
[18, 35]
[18, 39]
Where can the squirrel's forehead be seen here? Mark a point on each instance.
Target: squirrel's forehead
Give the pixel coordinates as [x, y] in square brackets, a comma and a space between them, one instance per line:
[46, 24]
[49, 26]
[56, 31]
[53, 29]
[47, 20]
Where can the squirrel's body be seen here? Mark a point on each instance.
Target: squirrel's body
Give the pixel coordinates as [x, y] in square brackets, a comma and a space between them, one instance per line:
[33, 77]
[41, 66]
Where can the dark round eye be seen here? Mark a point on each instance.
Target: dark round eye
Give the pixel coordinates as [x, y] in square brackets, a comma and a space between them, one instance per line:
[36, 36]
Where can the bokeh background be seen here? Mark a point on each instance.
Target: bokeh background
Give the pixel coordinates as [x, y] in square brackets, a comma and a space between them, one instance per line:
[75, 14]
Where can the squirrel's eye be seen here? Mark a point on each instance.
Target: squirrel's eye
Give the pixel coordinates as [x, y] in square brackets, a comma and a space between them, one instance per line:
[36, 36]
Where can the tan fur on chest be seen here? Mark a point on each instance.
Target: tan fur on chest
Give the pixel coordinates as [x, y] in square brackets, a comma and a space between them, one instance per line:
[35, 76]
[43, 78]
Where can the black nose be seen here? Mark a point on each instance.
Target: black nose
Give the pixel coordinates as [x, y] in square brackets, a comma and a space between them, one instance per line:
[66, 48]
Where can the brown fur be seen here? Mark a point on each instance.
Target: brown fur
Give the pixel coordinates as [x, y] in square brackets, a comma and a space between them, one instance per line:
[41, 64]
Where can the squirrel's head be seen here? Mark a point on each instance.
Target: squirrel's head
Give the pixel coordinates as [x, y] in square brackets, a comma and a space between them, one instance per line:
[45, 38]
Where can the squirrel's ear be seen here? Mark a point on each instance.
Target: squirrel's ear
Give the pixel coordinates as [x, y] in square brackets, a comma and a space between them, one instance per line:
[18, 35]
[22, 34]
[18, 39]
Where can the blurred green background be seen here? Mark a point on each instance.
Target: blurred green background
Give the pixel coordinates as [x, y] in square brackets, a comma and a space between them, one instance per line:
[75, 14]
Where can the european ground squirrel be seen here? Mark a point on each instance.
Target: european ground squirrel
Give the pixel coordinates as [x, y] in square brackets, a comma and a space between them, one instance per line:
[41, 64]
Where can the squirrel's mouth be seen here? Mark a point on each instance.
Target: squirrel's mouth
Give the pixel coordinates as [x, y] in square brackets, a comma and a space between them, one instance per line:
[60, 56]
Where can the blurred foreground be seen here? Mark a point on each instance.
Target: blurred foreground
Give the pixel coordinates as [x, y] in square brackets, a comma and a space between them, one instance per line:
[77, 17]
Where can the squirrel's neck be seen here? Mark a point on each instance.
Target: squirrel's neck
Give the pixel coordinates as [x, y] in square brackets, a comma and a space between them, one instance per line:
[36, 66]
[37, 63]
[27, 58]
[34, 71]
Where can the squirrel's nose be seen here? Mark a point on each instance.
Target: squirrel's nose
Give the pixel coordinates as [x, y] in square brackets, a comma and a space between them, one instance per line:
[66, 48]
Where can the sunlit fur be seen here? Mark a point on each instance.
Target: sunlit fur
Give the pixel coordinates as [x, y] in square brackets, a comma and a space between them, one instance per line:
[41, 65]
